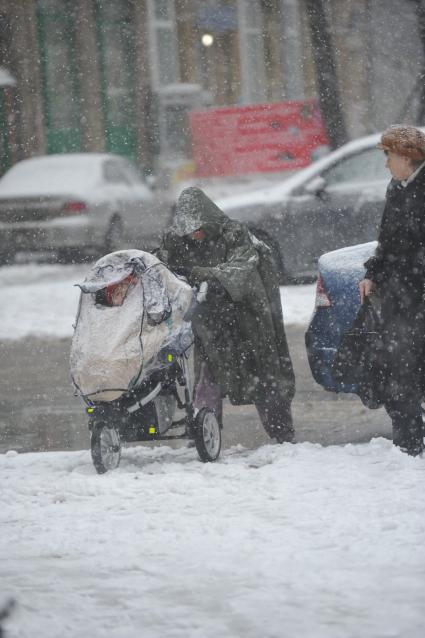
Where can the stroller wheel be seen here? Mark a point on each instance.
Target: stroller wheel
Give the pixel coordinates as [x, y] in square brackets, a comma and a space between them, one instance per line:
[207, 435]
[105, 448]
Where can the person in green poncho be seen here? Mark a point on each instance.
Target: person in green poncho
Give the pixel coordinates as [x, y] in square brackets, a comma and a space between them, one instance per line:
[240, 345]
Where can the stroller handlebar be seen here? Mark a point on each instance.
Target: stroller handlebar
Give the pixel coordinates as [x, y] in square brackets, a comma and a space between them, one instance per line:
[202, 292]
[200, 295]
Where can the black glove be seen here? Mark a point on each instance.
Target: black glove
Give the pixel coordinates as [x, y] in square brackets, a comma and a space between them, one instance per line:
[199, 274]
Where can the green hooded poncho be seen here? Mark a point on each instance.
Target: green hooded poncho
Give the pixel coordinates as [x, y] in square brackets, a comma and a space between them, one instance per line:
[239, 329]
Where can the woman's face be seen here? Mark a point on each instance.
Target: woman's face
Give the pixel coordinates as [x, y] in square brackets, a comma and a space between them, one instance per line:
[398, 165]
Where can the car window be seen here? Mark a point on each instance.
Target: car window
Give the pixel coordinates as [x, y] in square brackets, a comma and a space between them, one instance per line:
[132, 174]
[114, 173]
[366, 166]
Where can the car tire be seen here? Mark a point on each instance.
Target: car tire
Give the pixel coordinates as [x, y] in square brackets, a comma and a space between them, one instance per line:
[114, 235]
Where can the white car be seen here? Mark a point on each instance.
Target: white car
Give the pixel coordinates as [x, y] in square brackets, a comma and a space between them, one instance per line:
[336, 201]
[78, 204]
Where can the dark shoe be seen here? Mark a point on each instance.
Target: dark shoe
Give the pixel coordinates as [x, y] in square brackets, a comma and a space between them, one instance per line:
[413, 451]
[285, 435]
[276, 417]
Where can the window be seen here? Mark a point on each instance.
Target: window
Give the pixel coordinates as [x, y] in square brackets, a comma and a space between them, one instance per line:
[163, 44]
[219, 61]
[114, 173]
[132, 175]
[365, 166]
[252, 51]
[59, 76]
[163, 9]
[253, 14]
[116, 40]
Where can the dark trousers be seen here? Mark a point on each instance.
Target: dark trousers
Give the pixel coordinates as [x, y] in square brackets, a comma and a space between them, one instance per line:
[273, 410]
[406, 417]
[275, 413]
[404, 335]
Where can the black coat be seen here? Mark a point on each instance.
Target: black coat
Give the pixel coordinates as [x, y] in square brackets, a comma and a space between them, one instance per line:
[398, 271]
[398, 267]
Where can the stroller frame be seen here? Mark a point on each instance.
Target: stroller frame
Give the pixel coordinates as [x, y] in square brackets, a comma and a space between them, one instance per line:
[133, 417]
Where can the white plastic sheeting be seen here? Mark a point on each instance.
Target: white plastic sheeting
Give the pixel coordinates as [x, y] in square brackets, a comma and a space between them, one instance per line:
[115, 347]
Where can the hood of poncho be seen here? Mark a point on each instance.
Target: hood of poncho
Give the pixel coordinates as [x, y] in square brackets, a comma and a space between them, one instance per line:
[195, 210]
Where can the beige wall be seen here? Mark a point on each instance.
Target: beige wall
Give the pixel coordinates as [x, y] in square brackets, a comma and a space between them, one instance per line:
[273, 48]
[307, 61]
[143, 85]
[92, 125]
[187, 36]
[25, 59]
[350, 30]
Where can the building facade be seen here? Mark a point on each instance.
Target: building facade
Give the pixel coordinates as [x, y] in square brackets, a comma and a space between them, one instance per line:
[120, 75]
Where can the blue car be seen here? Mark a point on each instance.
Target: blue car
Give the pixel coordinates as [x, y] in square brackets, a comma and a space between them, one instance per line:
[337, 303]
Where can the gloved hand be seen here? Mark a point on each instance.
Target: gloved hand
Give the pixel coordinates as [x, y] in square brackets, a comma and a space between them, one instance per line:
[199, 274]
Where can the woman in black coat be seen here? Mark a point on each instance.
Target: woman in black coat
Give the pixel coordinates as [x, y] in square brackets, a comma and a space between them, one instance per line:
[397, 274]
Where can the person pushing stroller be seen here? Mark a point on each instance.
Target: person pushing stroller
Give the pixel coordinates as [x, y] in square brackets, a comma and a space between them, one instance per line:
[240, 345]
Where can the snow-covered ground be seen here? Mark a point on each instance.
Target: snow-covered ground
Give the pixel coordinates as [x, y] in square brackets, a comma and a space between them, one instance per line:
[281, 542]
[292, 541]
[42, 300]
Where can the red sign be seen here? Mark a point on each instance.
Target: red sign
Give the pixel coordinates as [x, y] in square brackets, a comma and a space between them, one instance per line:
[256, 138]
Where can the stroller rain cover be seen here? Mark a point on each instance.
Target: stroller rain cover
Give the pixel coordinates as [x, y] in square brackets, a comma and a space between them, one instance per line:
[115, 347]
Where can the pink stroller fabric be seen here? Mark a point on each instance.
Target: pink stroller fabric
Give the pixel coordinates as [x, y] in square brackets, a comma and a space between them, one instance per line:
[207, 392]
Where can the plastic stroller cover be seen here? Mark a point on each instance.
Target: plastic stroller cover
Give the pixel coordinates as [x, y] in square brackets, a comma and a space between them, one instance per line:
[115, 347]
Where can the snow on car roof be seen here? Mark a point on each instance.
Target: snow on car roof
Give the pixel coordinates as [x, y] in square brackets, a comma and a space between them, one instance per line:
[275, 194]
[66, 174]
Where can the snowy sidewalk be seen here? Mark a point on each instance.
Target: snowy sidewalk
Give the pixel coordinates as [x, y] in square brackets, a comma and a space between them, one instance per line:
[42, 300]
[282, 542]
[292, 541]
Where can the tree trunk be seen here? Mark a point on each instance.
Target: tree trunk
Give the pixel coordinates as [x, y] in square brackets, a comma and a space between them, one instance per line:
[327, 83]
[420, 14]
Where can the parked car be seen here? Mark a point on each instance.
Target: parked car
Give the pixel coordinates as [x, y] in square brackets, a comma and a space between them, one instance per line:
[78, 203]
[337, 303]
[335, 202]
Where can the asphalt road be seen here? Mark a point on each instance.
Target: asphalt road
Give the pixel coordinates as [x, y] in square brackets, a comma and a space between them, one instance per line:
[39, 412]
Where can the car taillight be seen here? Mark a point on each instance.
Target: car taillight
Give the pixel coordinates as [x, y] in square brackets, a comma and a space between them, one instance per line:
[114, 294]
[322, 298]
[74, 208]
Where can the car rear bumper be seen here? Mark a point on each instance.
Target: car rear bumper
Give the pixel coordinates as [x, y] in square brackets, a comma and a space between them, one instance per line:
[321, 345]
[54, 234]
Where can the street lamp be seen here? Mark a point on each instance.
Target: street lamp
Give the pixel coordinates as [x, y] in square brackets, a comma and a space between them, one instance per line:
[207, 39]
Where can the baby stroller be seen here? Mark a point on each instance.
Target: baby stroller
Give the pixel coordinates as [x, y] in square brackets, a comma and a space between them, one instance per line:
[130, 358]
